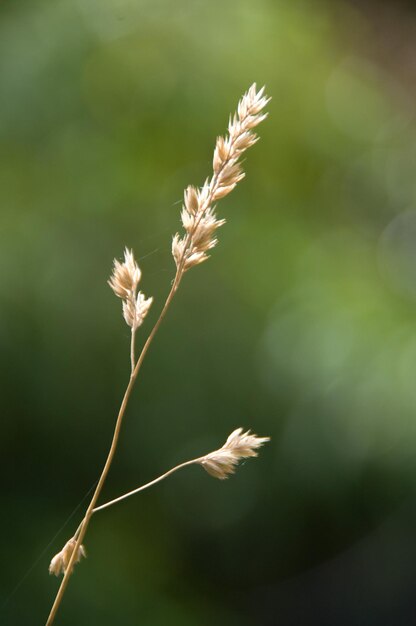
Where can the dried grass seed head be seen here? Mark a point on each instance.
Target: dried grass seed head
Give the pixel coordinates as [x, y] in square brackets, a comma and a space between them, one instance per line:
[252, 102]
[191, 249]
[124, 282]
[125, 276]
[239, 445]
[135, 309]
[61, 560]
[191, 200]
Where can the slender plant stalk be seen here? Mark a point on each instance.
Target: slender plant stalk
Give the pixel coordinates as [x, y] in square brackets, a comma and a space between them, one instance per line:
[138, 489]
[117, 429]
[132, 348]
[146, 486]
[106, 505]
[111, 453]
[199, 222]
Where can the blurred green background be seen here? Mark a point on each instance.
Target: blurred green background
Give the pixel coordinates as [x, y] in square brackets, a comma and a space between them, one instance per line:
[302, 326]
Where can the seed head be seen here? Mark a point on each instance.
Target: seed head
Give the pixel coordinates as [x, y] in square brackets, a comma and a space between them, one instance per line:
[125, 276]
[124, 281]
[61, 560]
[136, 309]
[239, 445]
[198, 218]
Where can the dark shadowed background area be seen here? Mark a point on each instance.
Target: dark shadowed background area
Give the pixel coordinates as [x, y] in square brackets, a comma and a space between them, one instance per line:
[302, 325]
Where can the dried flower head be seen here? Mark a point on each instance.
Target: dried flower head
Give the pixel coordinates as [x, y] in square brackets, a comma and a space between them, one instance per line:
[126, 275]
[198, 214]
[124, 281]
[239, 445]
[61, 560]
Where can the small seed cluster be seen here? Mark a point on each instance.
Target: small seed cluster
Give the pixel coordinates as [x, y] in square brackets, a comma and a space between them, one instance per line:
[124, 282]
[239, 445]
[61, 560]
[198, 213]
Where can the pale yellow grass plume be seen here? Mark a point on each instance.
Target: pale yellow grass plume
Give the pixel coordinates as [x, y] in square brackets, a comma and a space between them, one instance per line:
[239, 445]
[61, 560]
[198, 213]
[124, 281]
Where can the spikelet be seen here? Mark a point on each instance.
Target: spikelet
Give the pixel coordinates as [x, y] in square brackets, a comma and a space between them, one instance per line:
[126, 275]
[124, 281]
[61, 560]
[198, 217]
[239, 445]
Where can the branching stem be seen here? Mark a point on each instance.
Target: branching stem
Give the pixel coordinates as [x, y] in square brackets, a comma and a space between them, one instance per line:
[106, 505]
[135, 370]
[248, 112]
[111, 453]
